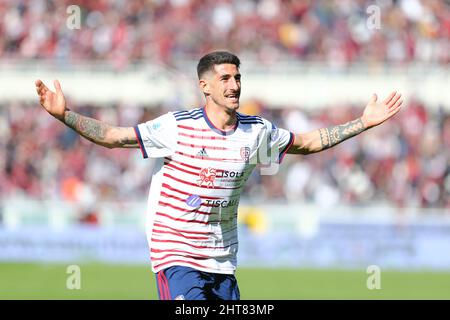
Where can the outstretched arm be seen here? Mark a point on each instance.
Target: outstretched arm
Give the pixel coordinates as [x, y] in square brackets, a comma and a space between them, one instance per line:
[91, 129]
[374, 114]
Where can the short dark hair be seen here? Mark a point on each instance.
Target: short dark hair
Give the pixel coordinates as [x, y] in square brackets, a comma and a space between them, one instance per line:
[208, 61]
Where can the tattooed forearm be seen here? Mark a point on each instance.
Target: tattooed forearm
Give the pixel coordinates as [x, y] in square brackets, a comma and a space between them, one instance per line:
[100, 132]
[89, 128]
[331, 136]
[322, 139]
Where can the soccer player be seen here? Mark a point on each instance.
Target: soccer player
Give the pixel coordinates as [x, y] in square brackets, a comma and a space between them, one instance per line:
[204, 157]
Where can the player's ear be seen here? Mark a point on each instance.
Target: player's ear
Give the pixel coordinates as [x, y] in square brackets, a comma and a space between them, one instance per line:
[204, 86]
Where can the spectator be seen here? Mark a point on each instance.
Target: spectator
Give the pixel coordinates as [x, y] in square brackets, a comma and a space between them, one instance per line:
[123, 32]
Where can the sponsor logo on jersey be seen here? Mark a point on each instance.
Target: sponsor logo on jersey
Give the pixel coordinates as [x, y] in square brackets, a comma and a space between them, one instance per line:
[202, 153]
[194, 201]
[231, 174]
[222, 203]
[180, 297]
[207, 177]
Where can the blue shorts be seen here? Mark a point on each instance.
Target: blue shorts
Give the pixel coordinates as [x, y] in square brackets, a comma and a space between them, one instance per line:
[184, 283]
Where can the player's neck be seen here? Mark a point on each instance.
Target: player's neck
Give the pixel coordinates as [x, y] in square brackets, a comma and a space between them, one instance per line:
[221, 118]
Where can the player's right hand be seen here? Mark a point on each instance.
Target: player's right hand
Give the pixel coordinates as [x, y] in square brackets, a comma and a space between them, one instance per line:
[53, 102]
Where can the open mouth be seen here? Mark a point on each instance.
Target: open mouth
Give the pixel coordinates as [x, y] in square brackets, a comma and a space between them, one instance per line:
[233, 97]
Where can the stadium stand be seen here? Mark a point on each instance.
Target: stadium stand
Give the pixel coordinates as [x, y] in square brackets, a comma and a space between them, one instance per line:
[332, 32]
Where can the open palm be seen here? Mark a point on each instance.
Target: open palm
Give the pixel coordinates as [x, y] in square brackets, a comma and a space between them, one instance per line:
[376, 113]
[53, 102]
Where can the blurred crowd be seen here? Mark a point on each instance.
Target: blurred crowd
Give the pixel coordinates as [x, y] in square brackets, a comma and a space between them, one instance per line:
[119, 32]
[403, 163]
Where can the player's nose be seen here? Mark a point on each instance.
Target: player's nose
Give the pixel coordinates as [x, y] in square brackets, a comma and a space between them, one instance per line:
[234, 86]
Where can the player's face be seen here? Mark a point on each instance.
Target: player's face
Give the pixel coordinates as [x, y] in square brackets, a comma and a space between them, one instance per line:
[225, 86]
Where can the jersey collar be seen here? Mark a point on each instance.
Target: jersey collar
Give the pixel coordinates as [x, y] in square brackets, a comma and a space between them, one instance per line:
[217, 130]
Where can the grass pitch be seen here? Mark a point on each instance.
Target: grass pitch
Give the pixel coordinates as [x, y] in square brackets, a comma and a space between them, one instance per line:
[100, 281]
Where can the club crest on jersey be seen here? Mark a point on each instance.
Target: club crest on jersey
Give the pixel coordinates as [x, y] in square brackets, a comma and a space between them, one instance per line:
[207, 177]
[245, 154]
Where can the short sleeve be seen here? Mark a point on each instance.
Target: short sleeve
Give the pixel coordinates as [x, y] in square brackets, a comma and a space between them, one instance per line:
[275, 142]
[157, 138]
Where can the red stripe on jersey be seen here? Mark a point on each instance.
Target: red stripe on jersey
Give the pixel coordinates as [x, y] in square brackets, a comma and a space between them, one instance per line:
[178, 234]
[177, 255]
[179, 219]
[169, 161]
[166, 195]
[207, 158]
[158, 224]
[165, 204]
[200, 146]
[196, 185]
[194, 136]
[192, 128]
[180, 251]
[165, 185]
[187, 262]
[184, 164]
[180, 169]
[191, 245]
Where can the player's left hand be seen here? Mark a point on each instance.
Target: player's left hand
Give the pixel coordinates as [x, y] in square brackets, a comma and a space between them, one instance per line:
[376, 112]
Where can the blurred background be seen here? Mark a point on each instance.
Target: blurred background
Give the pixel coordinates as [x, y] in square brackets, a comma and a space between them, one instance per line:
[382, 198]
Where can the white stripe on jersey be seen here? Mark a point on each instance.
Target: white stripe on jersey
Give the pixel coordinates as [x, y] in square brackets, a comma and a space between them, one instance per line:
[196, 187]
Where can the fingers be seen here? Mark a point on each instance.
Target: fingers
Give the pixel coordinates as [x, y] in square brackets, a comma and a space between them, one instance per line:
[394, 100]
[41, 88]
[57, 86]
[38, 84]
[373, 98]
[397, 105]
[389, 98]
[43, 92]
[396, 108]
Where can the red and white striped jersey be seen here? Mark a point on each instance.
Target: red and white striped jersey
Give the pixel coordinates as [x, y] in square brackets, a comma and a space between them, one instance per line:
[197, 181]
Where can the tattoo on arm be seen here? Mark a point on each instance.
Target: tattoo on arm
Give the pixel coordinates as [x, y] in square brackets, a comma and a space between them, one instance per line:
[89, 128]
[331, 136]
[125, 140]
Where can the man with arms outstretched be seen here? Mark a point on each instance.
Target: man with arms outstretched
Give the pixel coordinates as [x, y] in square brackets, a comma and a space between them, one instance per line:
[204, 157]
